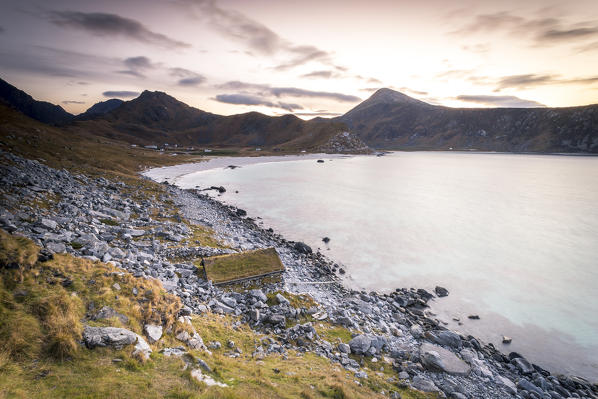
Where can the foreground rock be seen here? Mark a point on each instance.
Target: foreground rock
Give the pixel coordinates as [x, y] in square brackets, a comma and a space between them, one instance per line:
[116, 338]
[436, 358]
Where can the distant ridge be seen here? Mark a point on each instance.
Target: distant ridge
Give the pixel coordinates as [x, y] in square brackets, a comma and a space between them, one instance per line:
[393, 120]
[40, 110]
[387, 120]
[101, 108]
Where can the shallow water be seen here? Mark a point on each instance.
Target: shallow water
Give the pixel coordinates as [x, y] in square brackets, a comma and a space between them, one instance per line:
[514, 238]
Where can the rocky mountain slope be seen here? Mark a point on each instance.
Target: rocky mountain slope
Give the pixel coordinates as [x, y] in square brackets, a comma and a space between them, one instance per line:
[392, 120]
[101, 108]
[387, 120]
[39, 110]
[156, 118]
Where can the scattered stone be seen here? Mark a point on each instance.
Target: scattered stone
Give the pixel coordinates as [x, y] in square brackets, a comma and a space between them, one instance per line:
[206, 379]
[302, 248]
[423, 384]
[441, 291]
[153, 332]
[360, 344]
[506, 340]
[473, 317]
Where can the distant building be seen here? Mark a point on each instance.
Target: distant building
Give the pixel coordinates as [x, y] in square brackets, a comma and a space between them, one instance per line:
[133, 145]
[151, 147]
[207, 150]
[258, 149]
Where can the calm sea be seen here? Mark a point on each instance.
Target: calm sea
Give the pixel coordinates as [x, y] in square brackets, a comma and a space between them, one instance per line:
[514, 238]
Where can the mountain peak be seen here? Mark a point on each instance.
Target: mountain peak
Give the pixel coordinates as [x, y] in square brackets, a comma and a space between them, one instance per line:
[389, 96]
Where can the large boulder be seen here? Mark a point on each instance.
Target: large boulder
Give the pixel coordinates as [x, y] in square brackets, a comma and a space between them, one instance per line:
[436, 358]
[116, 338]
[108, 336]
[360, 344]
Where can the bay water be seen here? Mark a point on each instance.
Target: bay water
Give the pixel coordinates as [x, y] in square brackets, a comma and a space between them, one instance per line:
[514, 238]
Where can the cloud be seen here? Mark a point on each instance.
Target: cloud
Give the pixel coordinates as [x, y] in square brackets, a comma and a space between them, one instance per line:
[67, 102]
[303, 55]
[320, 74]
[2, 30]
[545, 30]
[187, 77]
[500, 101]
[103, 24]
[314, 114]
[191, 81]
[531, 80]
[263, 90]
[256, 36]
[48, 61]
[120, 94]
[524, 81]
[296, 92]
[588, 47]
[137, 65]
[246, 99]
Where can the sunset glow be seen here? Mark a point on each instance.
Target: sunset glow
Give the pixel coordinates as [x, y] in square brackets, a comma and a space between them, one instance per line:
[305, 58]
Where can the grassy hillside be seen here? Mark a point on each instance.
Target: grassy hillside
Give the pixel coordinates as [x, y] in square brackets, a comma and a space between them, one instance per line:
[44, 306]
[76, 150]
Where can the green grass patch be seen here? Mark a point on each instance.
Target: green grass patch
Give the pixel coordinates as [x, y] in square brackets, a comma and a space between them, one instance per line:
[226, 268]
[109, 222]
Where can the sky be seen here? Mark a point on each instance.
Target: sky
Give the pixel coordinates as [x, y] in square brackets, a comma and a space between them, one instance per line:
[310, 58]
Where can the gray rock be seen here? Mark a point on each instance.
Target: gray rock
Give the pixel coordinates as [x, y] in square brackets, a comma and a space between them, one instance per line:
[56, 247]
[344, 348]
[422, 384]
[523, 365]
[196, 342]
[276, 319]
[142, 348]
[259, 295]
[201, 363]
[507, 384]
[436, 358]
[441, 291]
[360, 344]
[178, 351]
[153, 332]
[108, 336]
[107, 312]
[254, 314]
[183, 336]
[417, 331]
[361, 374]
[448, 338]
[228, 301]
[302, 248]
[528, 386]
[49, 224]
[282, 300]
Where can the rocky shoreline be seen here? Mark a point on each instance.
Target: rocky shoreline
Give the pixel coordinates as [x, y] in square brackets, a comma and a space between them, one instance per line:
[101, 219]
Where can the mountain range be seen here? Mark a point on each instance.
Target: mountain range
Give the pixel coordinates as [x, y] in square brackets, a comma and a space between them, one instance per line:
[387, 120]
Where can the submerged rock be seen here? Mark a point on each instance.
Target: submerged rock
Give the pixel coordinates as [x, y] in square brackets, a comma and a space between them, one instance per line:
[441, 291]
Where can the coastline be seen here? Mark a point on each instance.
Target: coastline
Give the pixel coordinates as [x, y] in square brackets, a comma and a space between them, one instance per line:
[390, 330]
[227, 206]
[551, 354]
